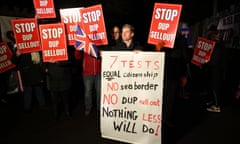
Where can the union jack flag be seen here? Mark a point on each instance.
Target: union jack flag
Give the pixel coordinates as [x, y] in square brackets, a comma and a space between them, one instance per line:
[83, 43]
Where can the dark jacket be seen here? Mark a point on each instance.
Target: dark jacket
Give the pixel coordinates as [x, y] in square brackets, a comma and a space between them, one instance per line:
[215, 68]
[176, 59]
[112, 43]
[121, 46]
[31, 73]
[59, 76]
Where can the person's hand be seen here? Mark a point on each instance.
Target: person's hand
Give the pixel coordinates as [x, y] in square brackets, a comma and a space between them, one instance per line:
[159, 46]
[206, 60]
[52, 61]
[77, 54]
[100, 53]
[136, 51]
[18, 53]
[183, 80]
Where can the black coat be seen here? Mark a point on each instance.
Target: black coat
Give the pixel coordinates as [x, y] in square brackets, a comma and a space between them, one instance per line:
[176, 59]
[59, 76]
[31, 74]
[121, 46]
[215, 68]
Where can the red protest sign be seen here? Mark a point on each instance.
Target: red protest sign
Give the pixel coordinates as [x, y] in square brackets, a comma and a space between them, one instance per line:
[71, 17]
[164, 24]
[53, 40]
[202, 51]
[26, 35]
[94, 25]
[44, 9]
[5, 58]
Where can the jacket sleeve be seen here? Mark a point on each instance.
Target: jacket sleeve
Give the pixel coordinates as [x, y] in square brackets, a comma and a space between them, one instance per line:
[77, 54]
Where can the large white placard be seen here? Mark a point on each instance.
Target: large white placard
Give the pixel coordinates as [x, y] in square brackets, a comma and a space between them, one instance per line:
[131, 96]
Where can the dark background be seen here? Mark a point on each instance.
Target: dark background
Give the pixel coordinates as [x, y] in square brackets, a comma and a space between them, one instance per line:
[121, 10]
[137, 13]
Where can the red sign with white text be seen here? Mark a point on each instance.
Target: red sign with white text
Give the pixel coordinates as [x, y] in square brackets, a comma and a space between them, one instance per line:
[44, 9]
[94, 25]
[164, 24]
[5, 58]
[202, 51]
[71, 17]
[26, 35]
[53, 40]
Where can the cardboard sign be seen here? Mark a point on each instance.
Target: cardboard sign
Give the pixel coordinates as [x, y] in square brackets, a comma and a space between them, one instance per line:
[71, 17]
[44, 9]
[26, 35]
[94, 25]
[164, 24]
[131, 96]
[53, 38]
[202, 51]
[5, 58]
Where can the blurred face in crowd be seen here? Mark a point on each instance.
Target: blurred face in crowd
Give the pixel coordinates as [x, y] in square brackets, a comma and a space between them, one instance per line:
[127, 33]
[115, 33]
[214, 35]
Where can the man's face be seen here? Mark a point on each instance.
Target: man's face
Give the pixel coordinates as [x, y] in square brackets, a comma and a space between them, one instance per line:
[127, 34]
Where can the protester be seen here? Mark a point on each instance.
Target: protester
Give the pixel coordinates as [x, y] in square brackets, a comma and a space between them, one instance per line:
[115, 36]
[9, 83]
[215, 69]
[91, 74]
[33, 78]
[186, 80]
[128, 43]
[175, 69]
[4, 78]
[59, 83]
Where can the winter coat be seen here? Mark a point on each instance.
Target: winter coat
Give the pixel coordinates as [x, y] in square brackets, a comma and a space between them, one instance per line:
[31, 73]
[133, 46]
[59, 76]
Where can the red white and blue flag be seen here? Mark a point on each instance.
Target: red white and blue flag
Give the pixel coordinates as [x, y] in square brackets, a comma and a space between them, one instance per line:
[83, 43]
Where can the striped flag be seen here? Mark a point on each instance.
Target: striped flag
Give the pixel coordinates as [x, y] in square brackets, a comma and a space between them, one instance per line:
[83, 43]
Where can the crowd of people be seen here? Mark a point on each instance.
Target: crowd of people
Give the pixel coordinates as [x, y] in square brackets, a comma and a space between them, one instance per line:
[58, 78]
